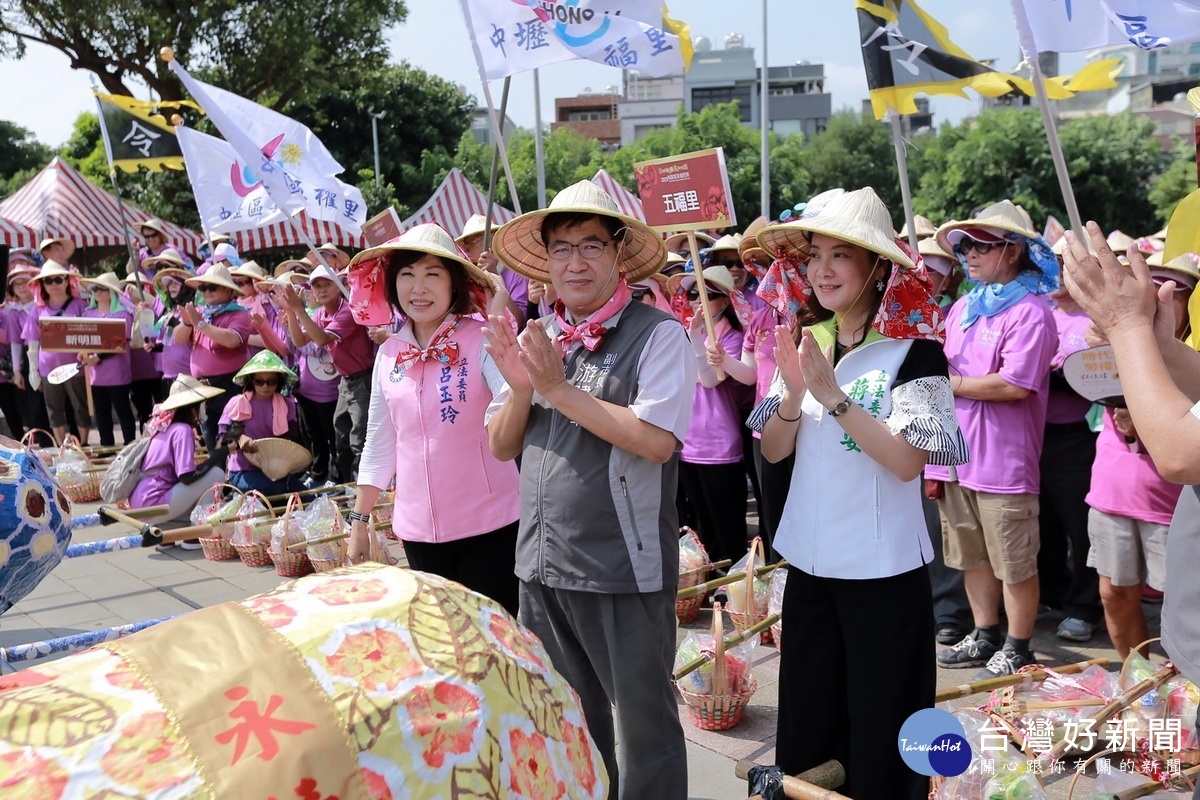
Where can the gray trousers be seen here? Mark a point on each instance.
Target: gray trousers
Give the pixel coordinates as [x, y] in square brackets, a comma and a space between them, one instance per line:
[618, 649]
[183, 499]
[350, 423]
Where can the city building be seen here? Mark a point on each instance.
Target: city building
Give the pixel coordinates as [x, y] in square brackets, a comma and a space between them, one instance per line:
[591, 115]
[481, 129]
[798, 101]
[648, 104]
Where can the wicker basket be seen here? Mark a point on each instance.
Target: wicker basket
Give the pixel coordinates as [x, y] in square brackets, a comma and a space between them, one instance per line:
[88, 490]
[746, 619]
[44, 454]
[218, 549]
[722, 709]
[291, 565]
[687, 609]
[255, 554]
[218, 546]
[326, 564]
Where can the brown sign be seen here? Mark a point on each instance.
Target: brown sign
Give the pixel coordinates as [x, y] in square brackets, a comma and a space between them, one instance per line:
[382, 227]
[83, 335]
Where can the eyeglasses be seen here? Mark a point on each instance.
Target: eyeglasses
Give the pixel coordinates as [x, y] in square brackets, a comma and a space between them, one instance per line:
[54, 281]
[240, 282]
[266, 382]
[983, 248]
[694, 294]
[561, 251]
[638, 294]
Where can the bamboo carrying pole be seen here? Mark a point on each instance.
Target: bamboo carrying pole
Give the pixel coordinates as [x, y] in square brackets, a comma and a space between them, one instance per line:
[817, 783]
[154, 511]
[732, 641]
[702, 287]
[715, 583]
[1033, 676]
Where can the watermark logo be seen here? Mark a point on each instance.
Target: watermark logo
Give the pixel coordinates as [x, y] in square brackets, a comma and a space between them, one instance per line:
[933, 742]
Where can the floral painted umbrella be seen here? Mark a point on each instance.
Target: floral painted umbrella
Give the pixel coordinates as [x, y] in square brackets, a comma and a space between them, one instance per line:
[367, 682]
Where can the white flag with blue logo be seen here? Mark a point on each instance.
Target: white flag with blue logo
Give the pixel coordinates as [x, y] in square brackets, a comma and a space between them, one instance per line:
[520, 35]
[1069, 26]
[231, 197]
[283, 157]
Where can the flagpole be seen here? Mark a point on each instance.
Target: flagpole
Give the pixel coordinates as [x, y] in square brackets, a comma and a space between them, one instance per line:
[1029, 48]
[499, 146]
[112, 174]
[764, 102]
[537, 140]
[902, 170]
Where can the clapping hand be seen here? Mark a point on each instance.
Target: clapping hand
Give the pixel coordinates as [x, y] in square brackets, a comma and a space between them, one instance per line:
[818, 373]
[501, 344]
[542, 360]
[787, 359]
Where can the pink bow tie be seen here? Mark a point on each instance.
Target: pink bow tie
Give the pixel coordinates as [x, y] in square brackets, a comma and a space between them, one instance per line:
[444, 353]
[590, 335]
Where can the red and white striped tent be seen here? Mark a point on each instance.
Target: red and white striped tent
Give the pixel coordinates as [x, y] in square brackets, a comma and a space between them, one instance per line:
[453, 204]
[15, 235]
[282, 235]
[58, 201]
[629, 203]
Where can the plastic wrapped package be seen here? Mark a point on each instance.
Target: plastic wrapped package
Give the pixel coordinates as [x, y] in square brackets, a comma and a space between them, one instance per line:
[751, 596]
[253, 523]
[700, 680]
[322, 520]
[971, 784]
[775, 603]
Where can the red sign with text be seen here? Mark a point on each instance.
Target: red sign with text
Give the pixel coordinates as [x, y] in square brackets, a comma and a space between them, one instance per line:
[686, 192]
[383, 227]
[83, 335]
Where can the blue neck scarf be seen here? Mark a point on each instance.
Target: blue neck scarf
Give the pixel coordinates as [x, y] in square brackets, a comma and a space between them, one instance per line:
[989, 299]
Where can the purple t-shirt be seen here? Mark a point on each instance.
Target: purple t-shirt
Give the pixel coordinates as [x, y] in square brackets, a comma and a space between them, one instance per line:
[1066, 406]
[1125, 481]
[10, 331]
[259, 426]
[170, 455]
[314, 388]
[114, 369]
[32, 333]
[517, 286]
[1003, 438]
[714, 434]
[209, 358]
[176, 358]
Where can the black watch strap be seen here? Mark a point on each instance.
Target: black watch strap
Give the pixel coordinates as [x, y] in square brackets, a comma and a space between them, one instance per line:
[840, 408]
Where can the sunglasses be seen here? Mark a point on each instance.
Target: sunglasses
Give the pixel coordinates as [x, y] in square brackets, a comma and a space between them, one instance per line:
[694, 294]
[983, 248]
[55, 281]
[209, 287]
[729, 264]
[266, 382]
[638, 294]
[240, 282]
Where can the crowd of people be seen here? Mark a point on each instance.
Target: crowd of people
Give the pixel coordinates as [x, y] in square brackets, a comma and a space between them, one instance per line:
[554, 399]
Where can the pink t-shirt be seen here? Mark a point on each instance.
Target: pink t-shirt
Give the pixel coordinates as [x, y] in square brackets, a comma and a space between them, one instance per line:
[352, 353]
[259, 426]
[209, 358]
[32, 332]
[1065, 406]
[1003, 438]
[171, 454]
[1126, 483]
[114, 369]
[760, 340]
[10, 331]
[714, 434]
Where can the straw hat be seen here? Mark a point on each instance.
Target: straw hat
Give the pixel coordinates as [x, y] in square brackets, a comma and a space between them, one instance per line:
[520, 247]
[63, 240]
[108, 280]
[251, 270]
[265, 361]
[680, 239]
[167, 258]
[215, 238]
[475, 225]
[1179, 267]
[1059, 248]
[26, 271]
[428, 238]
[935, 257]
[152, 225]
[725, 244]
[718, 278]
[749, 246]
[185, 391]
[133, 278]
[1001, 220]
[1119, 241]
[218, 275]
[299, 264]
[180, 275]
[334, 255]
[857, 217]
[286, 279]
[51, 269]
[924, 227]
[21, 255]
[278, 458]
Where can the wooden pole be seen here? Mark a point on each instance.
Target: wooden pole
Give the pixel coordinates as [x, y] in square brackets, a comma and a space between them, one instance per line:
[829, 775]
[732, 641]
[708, 586]
[703, 289]
[1033, 676]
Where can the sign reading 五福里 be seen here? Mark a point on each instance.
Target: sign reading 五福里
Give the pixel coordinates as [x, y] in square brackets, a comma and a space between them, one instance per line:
[83, 335]
[686, 192]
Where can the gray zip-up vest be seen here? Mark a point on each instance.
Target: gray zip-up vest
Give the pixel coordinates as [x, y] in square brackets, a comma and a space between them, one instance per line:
[594, 517]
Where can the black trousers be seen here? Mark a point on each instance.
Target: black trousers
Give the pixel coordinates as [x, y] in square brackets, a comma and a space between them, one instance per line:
[857, 660]
[774, 480]
[144, 394]
[1067, 582]
[482, 563]
[717, 493]
[316, 420]
[950, 604]
[214, 407]
[10, 406]
[109, 400]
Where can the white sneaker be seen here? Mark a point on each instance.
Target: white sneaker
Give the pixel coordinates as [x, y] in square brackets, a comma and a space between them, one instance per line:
[190, 544]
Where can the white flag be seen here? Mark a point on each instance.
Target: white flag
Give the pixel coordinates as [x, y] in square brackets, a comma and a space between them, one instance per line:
[1068, 26]
[291, 164]
[520, 35]
[231, 197]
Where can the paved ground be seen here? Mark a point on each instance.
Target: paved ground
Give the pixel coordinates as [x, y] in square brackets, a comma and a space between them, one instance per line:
[102, 591]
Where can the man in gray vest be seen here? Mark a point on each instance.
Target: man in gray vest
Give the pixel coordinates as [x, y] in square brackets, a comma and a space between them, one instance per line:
[597, 403]
[1160, 378]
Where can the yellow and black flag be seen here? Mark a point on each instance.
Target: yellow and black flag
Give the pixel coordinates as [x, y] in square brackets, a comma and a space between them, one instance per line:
[138, 137]
[907, 52]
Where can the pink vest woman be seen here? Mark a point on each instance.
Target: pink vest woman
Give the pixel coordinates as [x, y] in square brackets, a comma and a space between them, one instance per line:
[457, 513]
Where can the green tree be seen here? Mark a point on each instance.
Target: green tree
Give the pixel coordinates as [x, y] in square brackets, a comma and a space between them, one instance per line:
[855, 151]
[21, 156]
[278, 52]
[1176, 182]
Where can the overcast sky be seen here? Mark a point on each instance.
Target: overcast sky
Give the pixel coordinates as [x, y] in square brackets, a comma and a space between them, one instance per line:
[42, 93]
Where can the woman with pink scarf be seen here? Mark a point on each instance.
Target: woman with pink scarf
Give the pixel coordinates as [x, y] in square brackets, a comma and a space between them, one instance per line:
[260, 411]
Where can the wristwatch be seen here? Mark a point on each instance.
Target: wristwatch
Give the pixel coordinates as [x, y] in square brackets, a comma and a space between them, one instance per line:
[840, 408]
[202, 324]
